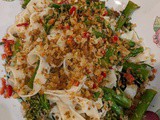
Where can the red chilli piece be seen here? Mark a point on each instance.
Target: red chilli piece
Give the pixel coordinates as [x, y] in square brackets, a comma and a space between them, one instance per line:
[67, 27]
[76, 83]
[9, 91]
[94, 85]
[100, 78]
[2, 89]
[129, 77]
[105, 13]
[4, 56]
[23, 24]
[86, 35]
[104, 74]
[72, 10]
[115, 38]
[103, 52]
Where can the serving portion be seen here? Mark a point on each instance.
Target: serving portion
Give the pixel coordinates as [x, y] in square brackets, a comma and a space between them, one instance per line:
[77, 61]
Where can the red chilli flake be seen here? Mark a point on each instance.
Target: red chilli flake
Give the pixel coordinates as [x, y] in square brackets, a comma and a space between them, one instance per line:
[72, 10]
[76, 83]
[2, 89]
[4, 56]
[86, 35]
[100, 78]
[105, 13]
[7, 48]
[23, 24]
[115, 38]
[129, 77]
[9, 91]
[94, 85]
[104, 74]
[67, 27]
[103, 52]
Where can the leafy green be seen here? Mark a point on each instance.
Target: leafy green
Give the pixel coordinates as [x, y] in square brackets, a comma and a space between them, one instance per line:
[99, 34]
[64, 7]
[39, 107]
[30, 83]
[120, 98]
[55, 6]
[104, 61]
[130, 8]
[118, 110]
[1, 43]
[17, 47]
[132, 44]
[96, 95]
[25, 3]
[47, 26]
[139, 70]
[99, 5]
[135, 52]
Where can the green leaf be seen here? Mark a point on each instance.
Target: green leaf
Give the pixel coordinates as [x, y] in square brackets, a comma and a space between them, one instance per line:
[39, 107]
[47, 26]
[1, 43]
[99, 34]
[16, 47]
[135, 52]
[30, 83]
[104, 61]
[131, 44]
[96, 95]
[139, 70]
[55, 6]
[25, 3]
[130, 8]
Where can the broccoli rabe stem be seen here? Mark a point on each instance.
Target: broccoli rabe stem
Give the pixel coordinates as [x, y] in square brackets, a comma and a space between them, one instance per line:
[118, 110]
[145, 101]
[30, 83]
[130, 8]
[120, 99]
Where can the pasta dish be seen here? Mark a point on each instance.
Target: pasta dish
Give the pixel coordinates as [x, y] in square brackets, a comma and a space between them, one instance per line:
[77, 60]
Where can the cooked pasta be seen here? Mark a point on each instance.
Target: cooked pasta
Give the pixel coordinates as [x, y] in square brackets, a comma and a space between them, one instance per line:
[72, 61]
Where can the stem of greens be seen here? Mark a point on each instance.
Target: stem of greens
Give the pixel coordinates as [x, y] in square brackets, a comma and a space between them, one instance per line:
[130, 8]
[145, 101]
[25, 3]
[118, 110]
[120, 99]
[30, 83]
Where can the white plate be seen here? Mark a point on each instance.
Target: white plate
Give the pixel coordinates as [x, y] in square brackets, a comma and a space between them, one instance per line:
[144, 18]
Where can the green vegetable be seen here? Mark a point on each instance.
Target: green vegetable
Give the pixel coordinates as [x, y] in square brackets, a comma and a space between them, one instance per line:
[138, 69]
[39, 107]
[120, 99]
[65, 7]
[130, 8]
[118, 110]
[104, 61]
[47, 26]
[96, 95]
[30, 83]
[16, 47]
[99, 34]
[55, 6]
[1, 43]
[25, 3]
[88, 2]
[99, 5]
[135, 52]
[131, 44]
[145, 101]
